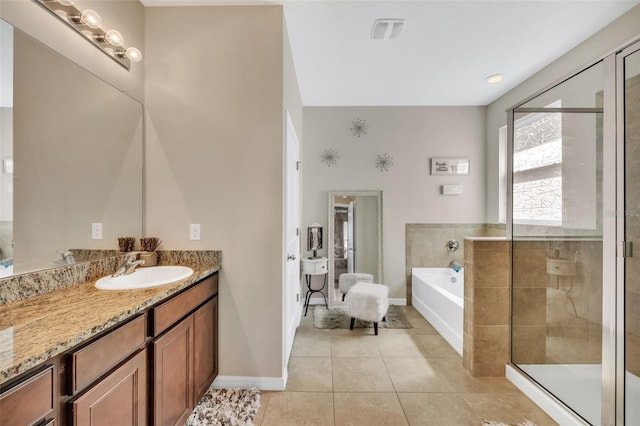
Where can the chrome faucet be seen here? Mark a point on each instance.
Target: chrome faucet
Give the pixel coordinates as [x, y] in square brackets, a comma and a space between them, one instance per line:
[67, 256]
[455, 266]
[128, 265]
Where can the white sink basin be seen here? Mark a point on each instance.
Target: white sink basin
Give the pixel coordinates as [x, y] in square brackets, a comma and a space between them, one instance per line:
[153, 276]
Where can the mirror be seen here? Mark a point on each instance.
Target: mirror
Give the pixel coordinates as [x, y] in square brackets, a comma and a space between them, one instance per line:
[72, 151]
[355, 237]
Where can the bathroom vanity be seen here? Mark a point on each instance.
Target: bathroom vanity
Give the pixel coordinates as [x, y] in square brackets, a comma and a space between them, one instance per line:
[83, 356]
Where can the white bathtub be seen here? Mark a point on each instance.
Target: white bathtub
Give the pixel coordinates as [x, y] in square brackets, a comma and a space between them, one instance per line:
[438, 294]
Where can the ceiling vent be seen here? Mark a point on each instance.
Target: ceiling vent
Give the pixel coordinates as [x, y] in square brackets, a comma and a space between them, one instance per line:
[387, 29]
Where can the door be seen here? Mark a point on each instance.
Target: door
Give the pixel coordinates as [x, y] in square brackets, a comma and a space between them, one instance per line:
[119, 399]
[292, 306]
[629, 65]
[205, 353]
[173, 375]
[351, 240]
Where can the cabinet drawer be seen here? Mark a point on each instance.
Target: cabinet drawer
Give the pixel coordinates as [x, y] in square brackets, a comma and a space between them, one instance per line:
[95, 359]
[28, 402]
[170, 312]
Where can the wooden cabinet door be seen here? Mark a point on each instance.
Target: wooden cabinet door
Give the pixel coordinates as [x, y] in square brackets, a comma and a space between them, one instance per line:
[29, 401]
[205, 347]
[173, 375]
[119, 399]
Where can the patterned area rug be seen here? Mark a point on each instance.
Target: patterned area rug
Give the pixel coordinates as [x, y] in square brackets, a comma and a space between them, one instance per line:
[338, 318]
[226, 407]
[492, 423]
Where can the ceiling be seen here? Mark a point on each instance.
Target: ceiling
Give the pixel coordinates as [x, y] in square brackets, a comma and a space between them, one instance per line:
[447, 50]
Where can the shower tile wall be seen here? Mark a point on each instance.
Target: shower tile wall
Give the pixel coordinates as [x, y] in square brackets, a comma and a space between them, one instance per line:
[557, 319]
[426, 244]
[485, 348]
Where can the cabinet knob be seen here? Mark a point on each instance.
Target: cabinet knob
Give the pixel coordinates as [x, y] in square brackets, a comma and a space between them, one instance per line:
[291, 257]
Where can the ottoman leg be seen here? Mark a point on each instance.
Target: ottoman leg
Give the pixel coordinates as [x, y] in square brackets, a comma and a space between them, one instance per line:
[353, 320]
[384, 318]
[343, 295]
[375, 328]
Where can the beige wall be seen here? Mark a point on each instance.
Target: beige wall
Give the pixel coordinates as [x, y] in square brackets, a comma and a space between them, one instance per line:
[411, 135]
[613, 36]
[214, 156]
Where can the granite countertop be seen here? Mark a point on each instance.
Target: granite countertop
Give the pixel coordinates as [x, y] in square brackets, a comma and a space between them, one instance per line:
[38, 328]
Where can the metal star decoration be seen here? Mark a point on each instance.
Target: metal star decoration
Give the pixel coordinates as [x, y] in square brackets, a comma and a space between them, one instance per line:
[330, 157]
[384, 162]
[359, 127]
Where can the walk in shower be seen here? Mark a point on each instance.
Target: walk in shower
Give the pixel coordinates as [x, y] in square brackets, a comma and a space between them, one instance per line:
[574, 203]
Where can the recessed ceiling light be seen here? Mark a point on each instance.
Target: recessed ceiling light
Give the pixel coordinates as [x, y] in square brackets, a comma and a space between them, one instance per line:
[495, 78]
[387, 29]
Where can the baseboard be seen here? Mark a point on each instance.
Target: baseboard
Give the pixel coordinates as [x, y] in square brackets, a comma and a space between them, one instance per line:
[246, 382]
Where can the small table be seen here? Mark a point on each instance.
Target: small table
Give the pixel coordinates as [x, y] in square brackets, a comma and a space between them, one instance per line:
[310, 267]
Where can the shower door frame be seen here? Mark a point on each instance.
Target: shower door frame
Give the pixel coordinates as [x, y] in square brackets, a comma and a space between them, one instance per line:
[621, 229]
[613, 227]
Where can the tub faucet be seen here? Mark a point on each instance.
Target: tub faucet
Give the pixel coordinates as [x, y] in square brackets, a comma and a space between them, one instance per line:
[128, 265]
[455, 266]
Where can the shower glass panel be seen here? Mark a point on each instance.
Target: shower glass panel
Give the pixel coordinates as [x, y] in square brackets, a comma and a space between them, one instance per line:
[632, 233]
[557, 214]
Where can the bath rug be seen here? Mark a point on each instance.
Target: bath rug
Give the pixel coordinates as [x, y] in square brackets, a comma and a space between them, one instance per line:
[226, 407]
[493, 423]
[338, 318]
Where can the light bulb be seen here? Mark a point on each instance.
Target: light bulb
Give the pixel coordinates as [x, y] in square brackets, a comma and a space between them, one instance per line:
[133, 54]
[91, 19]
[114, 37]
[66, 2]
[496, 78]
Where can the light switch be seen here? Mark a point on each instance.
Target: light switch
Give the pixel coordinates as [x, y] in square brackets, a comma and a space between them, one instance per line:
[96, 231]
[451, 189]
[194, 231]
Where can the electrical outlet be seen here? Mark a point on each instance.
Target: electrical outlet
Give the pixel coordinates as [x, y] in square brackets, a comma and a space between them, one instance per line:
[194, 231]
[96, 231]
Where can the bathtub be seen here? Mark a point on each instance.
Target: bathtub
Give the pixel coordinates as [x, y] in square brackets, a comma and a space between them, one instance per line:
[438, 294]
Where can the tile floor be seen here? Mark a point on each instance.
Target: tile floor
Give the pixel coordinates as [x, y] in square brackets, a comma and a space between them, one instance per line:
[400, 377]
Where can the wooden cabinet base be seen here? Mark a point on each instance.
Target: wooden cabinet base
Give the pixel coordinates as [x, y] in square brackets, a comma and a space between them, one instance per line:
[119, 399]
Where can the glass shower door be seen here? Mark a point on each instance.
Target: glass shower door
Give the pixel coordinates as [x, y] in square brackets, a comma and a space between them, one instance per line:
[557, 241]
[631, 70]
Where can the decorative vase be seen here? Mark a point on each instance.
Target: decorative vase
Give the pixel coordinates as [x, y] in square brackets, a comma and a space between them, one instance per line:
[150, 258]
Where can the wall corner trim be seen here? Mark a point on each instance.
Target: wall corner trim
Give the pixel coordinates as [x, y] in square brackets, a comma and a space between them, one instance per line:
[245, 382]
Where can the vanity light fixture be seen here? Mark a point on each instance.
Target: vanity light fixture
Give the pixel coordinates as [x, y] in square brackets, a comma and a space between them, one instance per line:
[89, 23]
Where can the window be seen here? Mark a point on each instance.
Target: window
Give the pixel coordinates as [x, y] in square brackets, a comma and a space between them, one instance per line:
[537, 168]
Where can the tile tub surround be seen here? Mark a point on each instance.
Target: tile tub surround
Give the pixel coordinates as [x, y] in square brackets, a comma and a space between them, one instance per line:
[98, 264]
[486, 306]
[425, 244]
[38, 328]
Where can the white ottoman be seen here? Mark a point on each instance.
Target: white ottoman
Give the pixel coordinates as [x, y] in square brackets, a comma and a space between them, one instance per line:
[368, 302]
[346, 281]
